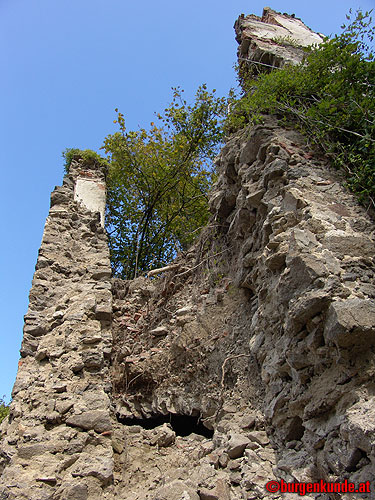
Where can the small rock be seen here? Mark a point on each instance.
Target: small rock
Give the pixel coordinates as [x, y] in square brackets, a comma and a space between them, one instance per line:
[96, 466]
[117, 446]
[29, 451]
[41, 354]
[248, 422]
[183, 311]
[235, 478]
[160, 331]
[103, 311]
[59, 387]
[134, 429]
[163, 436]
[206, 448]
[259, 437]
[206, 494]
[223, 460]
[267, 454]
[176, 490]
[49, 480]
[254, 198]
[234, 464]
[76, 492]
[236, 445]
[251, 455]
[213, 458]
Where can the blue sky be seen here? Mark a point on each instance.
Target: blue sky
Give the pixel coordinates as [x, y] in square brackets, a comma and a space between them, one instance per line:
[66, 65]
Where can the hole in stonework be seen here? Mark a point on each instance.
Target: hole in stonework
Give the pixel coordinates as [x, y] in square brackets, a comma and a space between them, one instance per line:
[357, 460]
[183, 425]
[296, 430]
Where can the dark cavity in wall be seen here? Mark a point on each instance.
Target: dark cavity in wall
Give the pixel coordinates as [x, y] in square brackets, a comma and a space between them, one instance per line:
[183, 425]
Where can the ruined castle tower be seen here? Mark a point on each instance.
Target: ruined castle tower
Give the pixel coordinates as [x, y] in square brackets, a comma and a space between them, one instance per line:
[60, 410]
[248, 362]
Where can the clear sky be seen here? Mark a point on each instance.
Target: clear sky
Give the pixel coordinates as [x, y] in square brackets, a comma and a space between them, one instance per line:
[66, 65]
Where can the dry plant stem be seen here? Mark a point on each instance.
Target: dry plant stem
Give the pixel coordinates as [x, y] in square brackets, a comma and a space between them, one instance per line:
[221, 396]
[200, 263]
[171, 267]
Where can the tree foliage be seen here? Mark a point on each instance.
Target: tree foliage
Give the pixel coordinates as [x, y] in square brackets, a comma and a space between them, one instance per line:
[4, 409]
[159, 180]
[330, 96]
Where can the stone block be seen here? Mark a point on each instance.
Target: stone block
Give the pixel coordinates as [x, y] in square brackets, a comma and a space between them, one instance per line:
[36, 330]
[351, 322]
[237, 445]
[98, 420]
[259, 437]
[92, 359]
[159, 331]
[75, 492]
[103, 311]
[98, 466]
[163, 436]
[254, 198]
[176, 490]
[355, 245]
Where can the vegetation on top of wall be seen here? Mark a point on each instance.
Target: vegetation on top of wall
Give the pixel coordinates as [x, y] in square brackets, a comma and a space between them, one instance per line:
[71, 154]
[159, 180]
[330, 97]
[286, 41]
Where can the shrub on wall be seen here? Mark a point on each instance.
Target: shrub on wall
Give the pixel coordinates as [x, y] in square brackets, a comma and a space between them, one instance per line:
[330, 97]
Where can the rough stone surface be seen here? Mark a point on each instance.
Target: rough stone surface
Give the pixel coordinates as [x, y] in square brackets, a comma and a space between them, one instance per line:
[276, 346]
[63, 371]
[272, 41]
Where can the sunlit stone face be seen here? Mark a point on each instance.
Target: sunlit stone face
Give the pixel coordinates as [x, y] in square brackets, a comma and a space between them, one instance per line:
[91, 194]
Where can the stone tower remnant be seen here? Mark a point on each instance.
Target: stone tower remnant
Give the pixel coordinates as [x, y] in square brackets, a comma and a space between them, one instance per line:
[271, 41]
[56, 437]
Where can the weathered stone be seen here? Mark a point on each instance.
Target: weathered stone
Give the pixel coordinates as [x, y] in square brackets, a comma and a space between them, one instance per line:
[117, 445]
[98, 420]
[163, 436]
[220, 492]
[35, 330]
[250, 151]
[356, 245]
[159, 331]
[255, 197]
[92, 359]
[351, 322]
[100, 467]
[75, 492]
[176, 490]
[29, 345]
[259, 437]
[237, 445]
[183, 311]
[32, 450]
[256, 38]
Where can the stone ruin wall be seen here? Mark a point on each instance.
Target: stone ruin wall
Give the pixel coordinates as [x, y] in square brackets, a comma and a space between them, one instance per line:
[259, 341]
[55, 438]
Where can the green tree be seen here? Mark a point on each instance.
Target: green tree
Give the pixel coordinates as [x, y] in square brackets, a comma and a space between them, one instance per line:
[330, 97]
[4, 409]
[159, 181]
